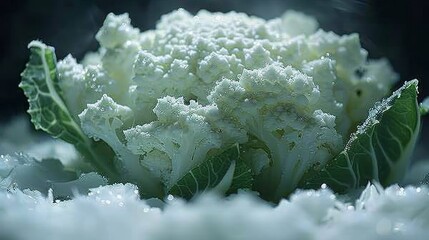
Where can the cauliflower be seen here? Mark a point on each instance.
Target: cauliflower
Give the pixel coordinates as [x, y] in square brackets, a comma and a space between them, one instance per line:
[200, 97]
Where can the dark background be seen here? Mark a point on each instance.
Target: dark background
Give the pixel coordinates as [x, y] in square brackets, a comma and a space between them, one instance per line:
[398, 30]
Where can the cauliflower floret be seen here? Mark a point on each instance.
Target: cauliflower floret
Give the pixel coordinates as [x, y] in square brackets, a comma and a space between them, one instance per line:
[190, 54]
[71, 76]
[84, 85]
[103, 120]
[120, 43]
[294, 24]
[177, 142]
[119, 62]
[279, 107]
[116, 31]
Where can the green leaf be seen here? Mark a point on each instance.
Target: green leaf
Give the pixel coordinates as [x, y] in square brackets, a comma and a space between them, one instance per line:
[379, 150]
[49, 112]
[40, 84]
[211, 173]
[23, 172]
[81, 185]
[243, 178]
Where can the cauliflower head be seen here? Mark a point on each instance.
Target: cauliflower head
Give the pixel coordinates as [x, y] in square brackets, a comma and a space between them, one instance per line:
[167, 108]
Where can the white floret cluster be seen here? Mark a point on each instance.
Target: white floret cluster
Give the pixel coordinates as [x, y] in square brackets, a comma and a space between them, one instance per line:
[200, 83]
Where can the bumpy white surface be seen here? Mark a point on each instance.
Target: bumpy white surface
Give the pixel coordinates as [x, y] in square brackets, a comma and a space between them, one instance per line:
[115, 212]
[187, 56]
[199, 83]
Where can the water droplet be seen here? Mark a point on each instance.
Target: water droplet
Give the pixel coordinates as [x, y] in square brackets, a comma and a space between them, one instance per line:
[170, 197]
[398, 227]
[324, 186]
[401, 192]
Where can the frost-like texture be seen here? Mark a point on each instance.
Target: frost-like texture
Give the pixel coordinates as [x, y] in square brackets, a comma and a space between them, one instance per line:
[177, 142]
[102, 120]
[167, 100]
[279, 108]
[115, 212]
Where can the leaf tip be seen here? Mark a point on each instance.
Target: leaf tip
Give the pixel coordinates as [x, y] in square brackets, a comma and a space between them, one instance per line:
[36, 44]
